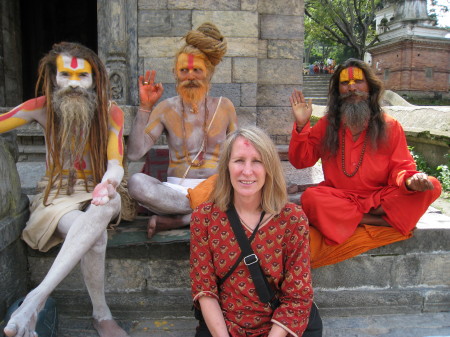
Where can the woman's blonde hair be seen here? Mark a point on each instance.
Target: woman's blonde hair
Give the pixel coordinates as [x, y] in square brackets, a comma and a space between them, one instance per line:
[274, 192]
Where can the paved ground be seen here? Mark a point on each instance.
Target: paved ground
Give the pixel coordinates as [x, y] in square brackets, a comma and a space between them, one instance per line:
[418, 325]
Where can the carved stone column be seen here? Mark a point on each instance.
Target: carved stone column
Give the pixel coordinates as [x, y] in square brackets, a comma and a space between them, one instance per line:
[117, 47]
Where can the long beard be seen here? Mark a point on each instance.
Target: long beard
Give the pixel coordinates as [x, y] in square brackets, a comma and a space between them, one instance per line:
[192, 91]
[355, 115]
[74, 109]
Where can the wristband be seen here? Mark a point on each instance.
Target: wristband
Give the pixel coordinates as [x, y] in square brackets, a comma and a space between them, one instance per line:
[145, 110]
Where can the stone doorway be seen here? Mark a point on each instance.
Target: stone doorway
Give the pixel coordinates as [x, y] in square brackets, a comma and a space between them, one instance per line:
[45, 22]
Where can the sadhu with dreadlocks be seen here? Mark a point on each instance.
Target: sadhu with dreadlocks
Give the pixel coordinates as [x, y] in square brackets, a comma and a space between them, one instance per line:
[195, 123]
[370, 176]
[78, 199]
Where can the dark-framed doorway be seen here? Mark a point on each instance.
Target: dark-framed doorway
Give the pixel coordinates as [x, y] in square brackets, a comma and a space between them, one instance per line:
[45, 22]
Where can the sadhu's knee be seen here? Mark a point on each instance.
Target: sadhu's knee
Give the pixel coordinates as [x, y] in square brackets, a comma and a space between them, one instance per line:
[437, 190]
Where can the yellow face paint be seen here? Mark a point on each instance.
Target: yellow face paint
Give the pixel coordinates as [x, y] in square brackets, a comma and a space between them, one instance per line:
[351, 74]
[74, 72]
[190, 62]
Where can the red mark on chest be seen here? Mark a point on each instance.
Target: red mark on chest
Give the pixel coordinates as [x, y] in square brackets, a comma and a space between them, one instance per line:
[80, 164]
[74, 63]
[190, 61]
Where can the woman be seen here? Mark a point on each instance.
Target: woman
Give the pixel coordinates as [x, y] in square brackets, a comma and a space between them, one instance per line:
[250, 179]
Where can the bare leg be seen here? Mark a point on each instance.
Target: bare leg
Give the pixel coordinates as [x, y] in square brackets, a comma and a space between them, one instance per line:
[155, 196]
[158, 223]
[377, 211]
[93, 268]
[85, 231]
[374, 220]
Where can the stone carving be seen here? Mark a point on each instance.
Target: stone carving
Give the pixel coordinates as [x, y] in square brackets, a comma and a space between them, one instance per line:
[116, 86]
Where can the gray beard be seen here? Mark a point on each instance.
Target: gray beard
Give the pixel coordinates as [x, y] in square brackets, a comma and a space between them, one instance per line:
[74, 111]
[356, 115]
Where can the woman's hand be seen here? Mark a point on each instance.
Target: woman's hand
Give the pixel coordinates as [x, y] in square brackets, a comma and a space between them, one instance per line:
[301, 110]
[149, 93]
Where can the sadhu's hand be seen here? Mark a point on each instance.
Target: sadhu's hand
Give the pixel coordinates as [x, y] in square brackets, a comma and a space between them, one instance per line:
[149, 92]
[301, 110]
[419, 182]
[103, 192]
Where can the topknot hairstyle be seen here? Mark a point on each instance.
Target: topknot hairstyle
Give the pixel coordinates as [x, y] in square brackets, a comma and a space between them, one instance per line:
[205, 41]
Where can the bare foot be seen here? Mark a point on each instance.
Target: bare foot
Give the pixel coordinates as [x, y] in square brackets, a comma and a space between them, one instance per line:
[23, 320]
[158, 223]
[109, 328]
[151, 226]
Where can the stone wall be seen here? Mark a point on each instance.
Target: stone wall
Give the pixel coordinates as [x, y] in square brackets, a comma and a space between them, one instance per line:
[262, 66]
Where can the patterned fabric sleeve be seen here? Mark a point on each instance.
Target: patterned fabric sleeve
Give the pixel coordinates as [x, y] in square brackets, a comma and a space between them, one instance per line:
[296, 288]
[203, 278]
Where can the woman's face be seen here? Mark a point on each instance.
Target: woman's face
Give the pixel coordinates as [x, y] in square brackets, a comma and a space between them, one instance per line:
[247, 172]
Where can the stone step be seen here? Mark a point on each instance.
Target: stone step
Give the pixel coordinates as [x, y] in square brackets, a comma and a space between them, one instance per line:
[392, 325]
[407, 277]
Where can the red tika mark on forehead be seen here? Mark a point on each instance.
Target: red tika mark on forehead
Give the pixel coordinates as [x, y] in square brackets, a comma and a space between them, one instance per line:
[350, 73]
[246, 142]
[190, 61]
[74, 63]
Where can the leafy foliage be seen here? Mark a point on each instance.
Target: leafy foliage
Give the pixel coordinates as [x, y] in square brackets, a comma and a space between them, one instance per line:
[349, 23]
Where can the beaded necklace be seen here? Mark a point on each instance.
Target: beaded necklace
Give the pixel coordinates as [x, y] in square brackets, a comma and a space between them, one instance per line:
[202, 150]
[360, 157]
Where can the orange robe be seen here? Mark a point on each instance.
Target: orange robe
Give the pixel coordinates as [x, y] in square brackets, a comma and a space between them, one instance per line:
[336, 206]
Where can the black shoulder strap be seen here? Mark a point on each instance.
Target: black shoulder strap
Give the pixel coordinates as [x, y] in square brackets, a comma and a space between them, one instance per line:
[220, 281]
[262, 286]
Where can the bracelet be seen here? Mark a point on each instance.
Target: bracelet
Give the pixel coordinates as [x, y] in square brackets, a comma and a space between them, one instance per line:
[140, 109]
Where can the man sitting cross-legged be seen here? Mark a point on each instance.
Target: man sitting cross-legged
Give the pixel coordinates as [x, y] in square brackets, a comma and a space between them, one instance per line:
[78, 199]
[370, 176]
[195, 124]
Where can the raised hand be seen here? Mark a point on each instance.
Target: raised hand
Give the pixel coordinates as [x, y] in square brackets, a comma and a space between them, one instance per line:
[103, 192]
[419, 182]
[149, 92]
[300, 109]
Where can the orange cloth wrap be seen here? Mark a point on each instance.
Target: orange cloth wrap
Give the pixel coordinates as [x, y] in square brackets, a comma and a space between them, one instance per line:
[201, 192]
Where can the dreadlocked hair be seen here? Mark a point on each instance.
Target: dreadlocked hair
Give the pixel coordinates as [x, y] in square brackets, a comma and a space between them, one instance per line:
[98, 135]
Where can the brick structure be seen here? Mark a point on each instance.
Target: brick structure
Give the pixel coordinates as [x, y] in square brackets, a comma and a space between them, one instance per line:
[413, 56]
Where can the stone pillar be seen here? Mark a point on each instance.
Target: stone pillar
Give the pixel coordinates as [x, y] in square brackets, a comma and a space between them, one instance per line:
[13, 216]
[280, 65]
[10, 54]
[117, 47]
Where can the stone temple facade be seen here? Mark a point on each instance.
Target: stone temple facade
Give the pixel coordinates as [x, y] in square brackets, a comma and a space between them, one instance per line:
[262, 66]
[413, 55]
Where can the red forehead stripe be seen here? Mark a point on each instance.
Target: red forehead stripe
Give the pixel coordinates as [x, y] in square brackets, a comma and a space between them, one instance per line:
[350, 73]
[190, 61]
[74, 63]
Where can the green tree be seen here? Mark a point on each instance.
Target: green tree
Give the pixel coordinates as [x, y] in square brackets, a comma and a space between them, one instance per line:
[350, 23]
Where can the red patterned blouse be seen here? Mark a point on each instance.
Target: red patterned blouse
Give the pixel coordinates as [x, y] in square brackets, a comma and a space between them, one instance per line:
[282, 246]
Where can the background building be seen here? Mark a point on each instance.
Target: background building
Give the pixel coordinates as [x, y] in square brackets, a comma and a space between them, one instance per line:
[413, 55]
